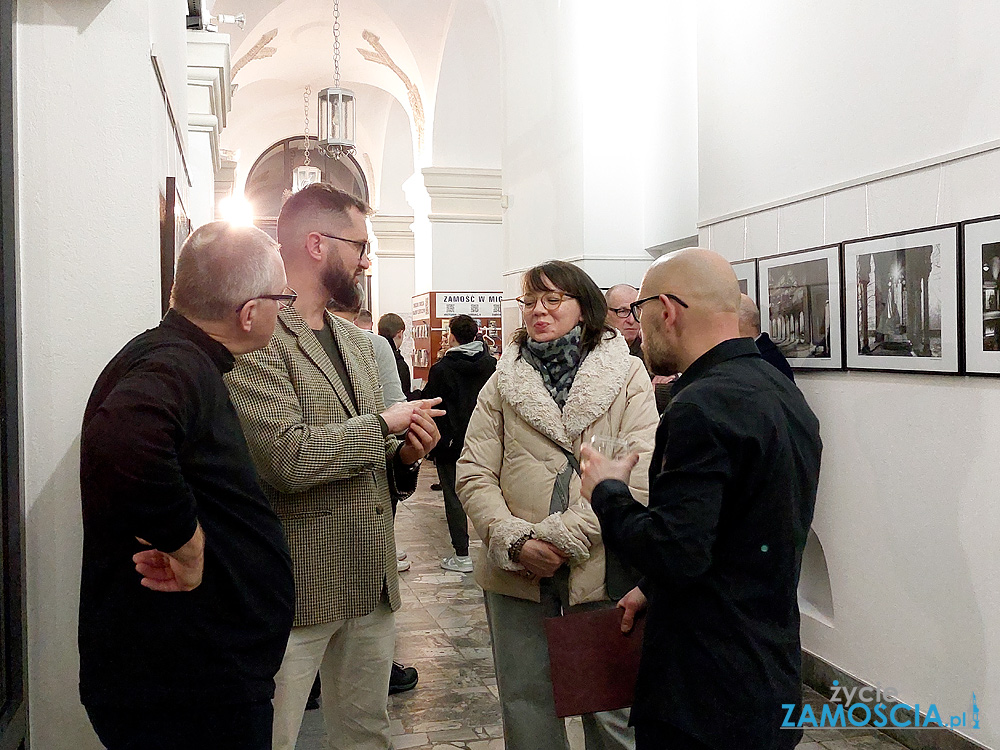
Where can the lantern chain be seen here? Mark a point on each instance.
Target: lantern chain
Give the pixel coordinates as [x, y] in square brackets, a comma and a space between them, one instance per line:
[336, 44]
[305, 105]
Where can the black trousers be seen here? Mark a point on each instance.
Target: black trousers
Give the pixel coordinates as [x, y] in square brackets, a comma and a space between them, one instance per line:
[458, 522]
[243, 726]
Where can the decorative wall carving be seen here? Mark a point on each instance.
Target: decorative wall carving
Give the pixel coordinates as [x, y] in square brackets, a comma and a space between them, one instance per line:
[382, 57]
[259, 51]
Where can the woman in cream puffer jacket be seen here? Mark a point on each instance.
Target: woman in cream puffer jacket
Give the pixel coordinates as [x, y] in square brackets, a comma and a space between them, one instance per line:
[515, 454]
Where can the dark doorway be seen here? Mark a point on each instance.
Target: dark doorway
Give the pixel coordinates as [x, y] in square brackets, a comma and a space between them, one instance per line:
[13, 697]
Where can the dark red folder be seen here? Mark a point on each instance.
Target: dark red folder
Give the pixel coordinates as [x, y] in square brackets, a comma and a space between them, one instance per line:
[593, 664]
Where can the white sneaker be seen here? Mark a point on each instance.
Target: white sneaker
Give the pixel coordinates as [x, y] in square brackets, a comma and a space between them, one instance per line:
[458, 564]
[400, 554]
[402, 565]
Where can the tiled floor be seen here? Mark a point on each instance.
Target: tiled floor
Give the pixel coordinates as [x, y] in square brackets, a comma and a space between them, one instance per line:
[441, 630]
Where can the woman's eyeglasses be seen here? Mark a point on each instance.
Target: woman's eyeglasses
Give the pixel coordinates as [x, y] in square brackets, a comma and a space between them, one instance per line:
[550, 300]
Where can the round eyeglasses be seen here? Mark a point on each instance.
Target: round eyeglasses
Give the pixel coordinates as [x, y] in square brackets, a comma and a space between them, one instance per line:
[550, 300]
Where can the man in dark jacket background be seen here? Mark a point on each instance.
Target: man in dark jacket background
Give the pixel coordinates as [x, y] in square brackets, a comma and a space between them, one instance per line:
[732, 490]
[750, 328]
[457, 379]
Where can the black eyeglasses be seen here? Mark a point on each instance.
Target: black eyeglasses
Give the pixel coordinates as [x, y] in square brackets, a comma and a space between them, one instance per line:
[621, 312]
[365, 245]
[284, 300]
[636, 307]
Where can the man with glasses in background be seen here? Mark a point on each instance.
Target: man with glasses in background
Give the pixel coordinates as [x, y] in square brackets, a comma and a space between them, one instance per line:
[620, 298]
[323, 442]
[184, 653]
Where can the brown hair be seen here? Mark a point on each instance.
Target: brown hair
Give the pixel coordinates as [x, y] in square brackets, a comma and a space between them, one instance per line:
[389, 325]
[319, 196]
[574, 281]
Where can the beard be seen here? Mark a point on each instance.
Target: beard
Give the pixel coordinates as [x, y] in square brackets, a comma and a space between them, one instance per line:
[346, 293]
[659, 357]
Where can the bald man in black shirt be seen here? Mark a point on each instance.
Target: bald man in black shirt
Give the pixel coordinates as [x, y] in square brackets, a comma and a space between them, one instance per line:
[732, 490]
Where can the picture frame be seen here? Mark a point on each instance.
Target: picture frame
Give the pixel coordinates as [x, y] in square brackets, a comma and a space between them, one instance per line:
[901, 301]
[800, 301]
[981, 307]
[746, 275]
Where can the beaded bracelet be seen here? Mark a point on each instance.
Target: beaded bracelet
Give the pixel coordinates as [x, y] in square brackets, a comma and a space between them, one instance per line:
[515, 548]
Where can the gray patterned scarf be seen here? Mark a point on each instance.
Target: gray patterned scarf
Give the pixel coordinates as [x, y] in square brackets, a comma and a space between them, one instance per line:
[556, 361]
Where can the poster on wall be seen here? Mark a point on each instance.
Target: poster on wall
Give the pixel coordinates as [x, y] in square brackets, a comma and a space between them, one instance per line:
[746, 275]
[800, 306]
[981, 260]
[901, 301]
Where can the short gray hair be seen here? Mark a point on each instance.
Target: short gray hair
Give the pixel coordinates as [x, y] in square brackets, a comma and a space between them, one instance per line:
[220, 267]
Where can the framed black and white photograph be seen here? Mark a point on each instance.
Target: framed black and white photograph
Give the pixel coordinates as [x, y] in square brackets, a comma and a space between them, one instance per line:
[981, 259]
[901, 301]
[800, 306]
[746, 274]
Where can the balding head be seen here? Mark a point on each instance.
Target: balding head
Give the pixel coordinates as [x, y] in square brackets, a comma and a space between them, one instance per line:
[749, 318]
[220, 267]
[696, 310]
[619, 297]
[702, 278]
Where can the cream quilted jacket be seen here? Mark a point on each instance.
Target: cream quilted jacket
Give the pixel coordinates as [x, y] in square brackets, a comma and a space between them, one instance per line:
[513, 453]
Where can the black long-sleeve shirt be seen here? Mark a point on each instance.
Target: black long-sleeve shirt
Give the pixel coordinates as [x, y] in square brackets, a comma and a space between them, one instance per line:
[162, 450]
[732, 489]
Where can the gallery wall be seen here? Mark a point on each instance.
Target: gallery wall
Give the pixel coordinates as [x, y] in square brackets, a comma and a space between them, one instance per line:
[907, 515]
[93, 153]
[798, 96]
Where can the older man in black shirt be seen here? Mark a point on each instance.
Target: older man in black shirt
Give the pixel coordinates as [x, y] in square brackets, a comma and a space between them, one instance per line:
[186, 596]
[732, 490]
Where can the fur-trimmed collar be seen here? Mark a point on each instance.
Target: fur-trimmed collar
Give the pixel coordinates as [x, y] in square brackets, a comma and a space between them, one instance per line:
[598, 382]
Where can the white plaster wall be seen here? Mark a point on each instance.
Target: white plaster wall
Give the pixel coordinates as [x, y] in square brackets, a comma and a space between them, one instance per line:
[799, 95]
[907, 511]
[89, 259]
[599, 139]
[466, 257]
[467, 117]
[397, 161]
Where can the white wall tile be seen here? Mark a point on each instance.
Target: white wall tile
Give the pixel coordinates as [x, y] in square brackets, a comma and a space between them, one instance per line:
[908, 201]
[800, 225]
[728, 238]
[970, 188]
[762, 234]
[846, 215]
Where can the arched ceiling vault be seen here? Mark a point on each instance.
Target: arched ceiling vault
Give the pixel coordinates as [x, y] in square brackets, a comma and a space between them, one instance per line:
[288, 44]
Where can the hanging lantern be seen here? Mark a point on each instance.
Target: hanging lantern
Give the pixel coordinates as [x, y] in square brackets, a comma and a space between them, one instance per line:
[335, 106]
[336, 127]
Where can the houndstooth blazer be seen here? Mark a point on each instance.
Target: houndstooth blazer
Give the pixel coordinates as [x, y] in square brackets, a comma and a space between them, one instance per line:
[325, 465]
